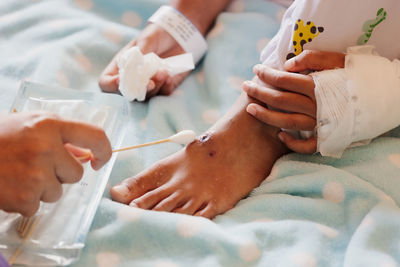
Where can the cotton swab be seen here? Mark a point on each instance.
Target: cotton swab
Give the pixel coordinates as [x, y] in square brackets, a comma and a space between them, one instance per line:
[183, 137]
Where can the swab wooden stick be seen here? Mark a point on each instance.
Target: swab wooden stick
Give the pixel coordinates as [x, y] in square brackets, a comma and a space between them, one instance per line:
[183, 137]
[27, 232]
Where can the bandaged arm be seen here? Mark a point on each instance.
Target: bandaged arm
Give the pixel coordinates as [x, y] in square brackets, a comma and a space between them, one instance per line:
[357, 103]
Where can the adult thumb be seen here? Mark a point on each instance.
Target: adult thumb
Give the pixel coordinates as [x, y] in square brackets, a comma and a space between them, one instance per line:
[314, 60]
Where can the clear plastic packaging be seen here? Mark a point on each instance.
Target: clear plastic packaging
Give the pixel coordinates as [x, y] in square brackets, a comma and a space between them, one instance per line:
[60, 234]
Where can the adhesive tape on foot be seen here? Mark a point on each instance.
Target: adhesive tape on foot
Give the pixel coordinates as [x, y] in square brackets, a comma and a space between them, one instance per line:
[182, 29]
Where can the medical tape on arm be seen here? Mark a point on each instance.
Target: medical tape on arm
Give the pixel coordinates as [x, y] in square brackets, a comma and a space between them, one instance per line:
[182, 30]
[357, 103]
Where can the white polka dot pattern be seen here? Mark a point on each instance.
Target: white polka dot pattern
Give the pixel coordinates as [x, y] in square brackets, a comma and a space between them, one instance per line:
[129, 214]
[62, 79]
[107, 259]
[333, 191]
[189, 226]
[84, 4]
[249, 252]
[211, 116]
[84, 62]
[304, 260]
[166, 264]
[200, 77]
[113, 35]
[236, 82]
[217, 30]
[395, 159]
[131, 18]
[328, 231]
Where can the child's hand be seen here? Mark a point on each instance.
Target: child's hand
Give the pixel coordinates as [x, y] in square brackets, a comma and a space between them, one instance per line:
[152, 39]
[293, 93]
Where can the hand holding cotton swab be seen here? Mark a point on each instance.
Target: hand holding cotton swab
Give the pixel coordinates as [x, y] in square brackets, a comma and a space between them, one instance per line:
[183, 137]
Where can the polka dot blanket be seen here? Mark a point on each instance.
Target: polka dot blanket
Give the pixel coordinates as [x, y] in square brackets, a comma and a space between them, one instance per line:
[310, 211]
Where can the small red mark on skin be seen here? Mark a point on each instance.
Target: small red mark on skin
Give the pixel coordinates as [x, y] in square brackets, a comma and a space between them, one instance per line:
[211, 153]
[204, 138]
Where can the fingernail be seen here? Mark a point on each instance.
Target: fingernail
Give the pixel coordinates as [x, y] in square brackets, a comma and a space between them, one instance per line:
[257, 68]
[133, 204]
[251, 109]
[280, 136]
[289, 63]
[246, 86]
[151, 85]
[121, 189]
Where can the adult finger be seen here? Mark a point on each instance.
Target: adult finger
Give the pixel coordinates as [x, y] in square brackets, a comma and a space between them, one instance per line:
[315, 60]
[293, 82]
[52, 190]
[28, 210]
[68, 169]
[292, 121]
[84, 155]
[281, 100]
[307, 146]
[87, 136]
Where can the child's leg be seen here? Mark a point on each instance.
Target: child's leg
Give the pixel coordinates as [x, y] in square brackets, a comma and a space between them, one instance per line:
[213, 173]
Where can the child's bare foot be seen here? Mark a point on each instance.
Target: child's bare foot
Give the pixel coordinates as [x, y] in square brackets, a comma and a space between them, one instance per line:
[211, 174]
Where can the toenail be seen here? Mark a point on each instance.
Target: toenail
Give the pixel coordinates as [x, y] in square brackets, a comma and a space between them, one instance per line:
[121, 189]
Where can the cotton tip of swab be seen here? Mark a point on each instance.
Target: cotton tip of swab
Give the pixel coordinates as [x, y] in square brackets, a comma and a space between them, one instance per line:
[183, 137]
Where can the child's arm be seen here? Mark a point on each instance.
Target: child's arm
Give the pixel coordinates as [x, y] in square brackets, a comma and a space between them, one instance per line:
[353, 97]
[154, 38]
[295, 95]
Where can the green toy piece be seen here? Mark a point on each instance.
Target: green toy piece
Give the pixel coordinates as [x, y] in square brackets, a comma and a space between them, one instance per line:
[370, 25]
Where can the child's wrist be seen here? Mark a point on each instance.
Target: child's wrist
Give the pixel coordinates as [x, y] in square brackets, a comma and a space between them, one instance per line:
[187, 35]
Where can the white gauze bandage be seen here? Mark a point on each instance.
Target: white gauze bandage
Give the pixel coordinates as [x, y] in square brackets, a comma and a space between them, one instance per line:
[357, 103]
[136, 70]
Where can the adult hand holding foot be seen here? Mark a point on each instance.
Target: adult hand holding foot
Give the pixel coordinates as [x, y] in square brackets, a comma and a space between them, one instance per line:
[288, 98]
[37, 156]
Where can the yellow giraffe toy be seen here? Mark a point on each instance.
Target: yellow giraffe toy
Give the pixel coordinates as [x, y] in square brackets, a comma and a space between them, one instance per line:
[303, 34]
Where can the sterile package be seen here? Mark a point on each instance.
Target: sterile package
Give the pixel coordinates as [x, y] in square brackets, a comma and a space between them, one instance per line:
[61, 231]
[136, 70]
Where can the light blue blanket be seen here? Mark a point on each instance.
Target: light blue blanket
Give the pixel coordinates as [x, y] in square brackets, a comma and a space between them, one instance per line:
[311, 211]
